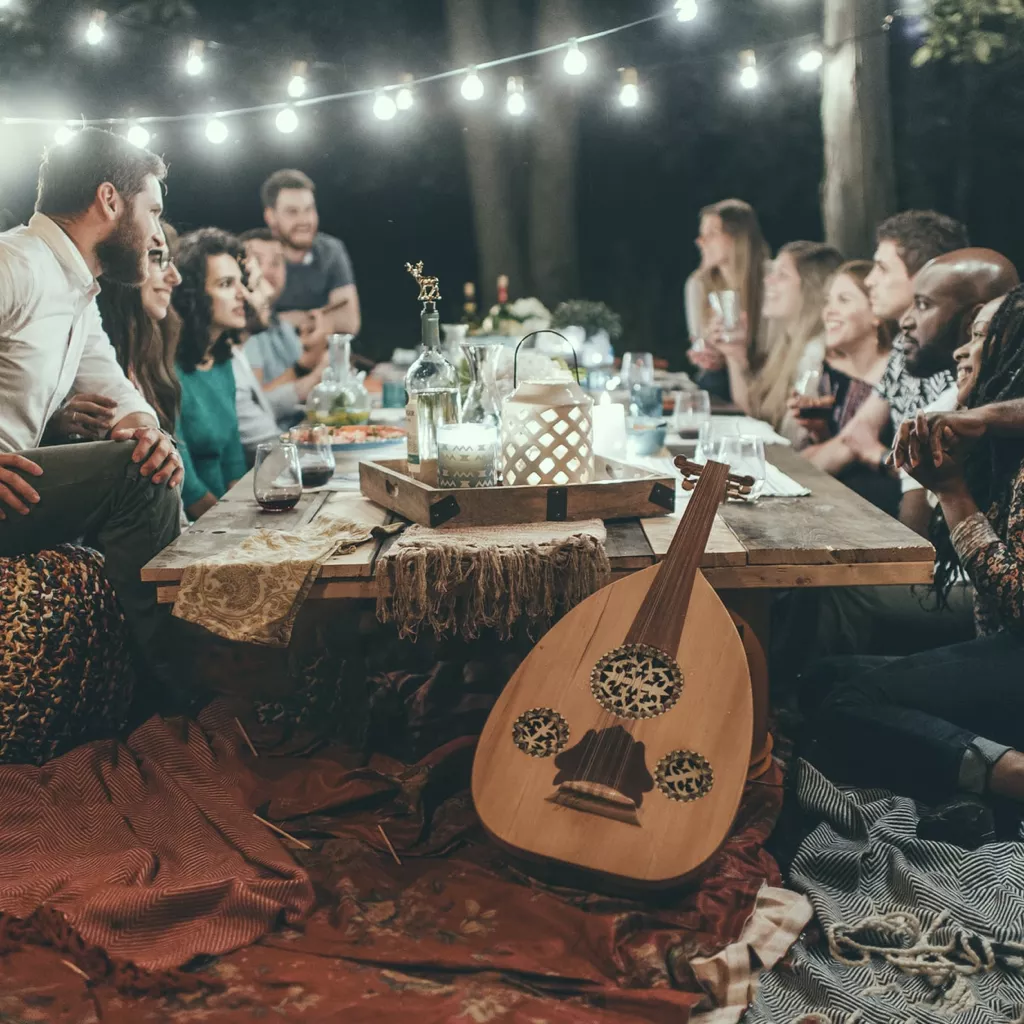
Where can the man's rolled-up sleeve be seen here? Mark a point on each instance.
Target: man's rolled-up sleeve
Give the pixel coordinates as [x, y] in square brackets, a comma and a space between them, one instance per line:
[100, 373]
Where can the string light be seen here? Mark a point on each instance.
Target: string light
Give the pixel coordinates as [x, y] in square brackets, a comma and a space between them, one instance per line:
[384, 107]
[686, 10]
[138, 136]
[749, 78]
[216, 131]
[297, 83]
[94, 31]
[575, 62]
[811, 61]
[404, 99]
[472, 86]
[629, 94]
[516, 100]
[63, 135]
[287, 121]
[194, 61]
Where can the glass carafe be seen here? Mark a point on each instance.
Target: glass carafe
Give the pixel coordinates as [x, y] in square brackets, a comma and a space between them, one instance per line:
[340, 399]
[482, 403]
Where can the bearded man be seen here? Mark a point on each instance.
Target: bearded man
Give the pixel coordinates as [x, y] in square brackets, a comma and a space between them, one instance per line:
[97, 212]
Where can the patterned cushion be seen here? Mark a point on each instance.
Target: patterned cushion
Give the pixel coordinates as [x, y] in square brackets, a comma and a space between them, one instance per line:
[65, 671]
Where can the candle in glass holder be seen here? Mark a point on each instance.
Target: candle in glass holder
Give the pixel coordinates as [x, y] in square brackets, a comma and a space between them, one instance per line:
[466, 454]
[610, 430]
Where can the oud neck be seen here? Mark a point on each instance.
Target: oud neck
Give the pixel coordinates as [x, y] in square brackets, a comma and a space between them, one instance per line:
[659, 622]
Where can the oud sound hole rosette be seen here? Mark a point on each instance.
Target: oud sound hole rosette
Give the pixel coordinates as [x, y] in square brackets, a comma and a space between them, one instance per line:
[540, 732]
[684, 775]
[636, 681]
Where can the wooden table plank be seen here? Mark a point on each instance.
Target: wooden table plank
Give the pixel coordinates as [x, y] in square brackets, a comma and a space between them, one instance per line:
[832, 525]
[723, 547]
[627, 545]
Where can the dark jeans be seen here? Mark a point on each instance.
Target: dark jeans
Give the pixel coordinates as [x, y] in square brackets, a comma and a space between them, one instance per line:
[95, 491]
[926, 726]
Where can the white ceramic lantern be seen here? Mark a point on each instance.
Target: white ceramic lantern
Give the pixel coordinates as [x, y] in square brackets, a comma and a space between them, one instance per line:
[547, 431]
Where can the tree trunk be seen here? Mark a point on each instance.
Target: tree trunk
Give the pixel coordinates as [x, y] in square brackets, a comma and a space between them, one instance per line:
[498, 246]
[859, 188]
[554, 252]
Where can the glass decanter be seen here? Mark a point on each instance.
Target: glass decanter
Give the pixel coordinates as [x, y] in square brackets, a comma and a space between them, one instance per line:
[482, 403]
[340, 399]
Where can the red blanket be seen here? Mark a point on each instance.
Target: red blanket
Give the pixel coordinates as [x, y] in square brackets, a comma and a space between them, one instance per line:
[151, 851]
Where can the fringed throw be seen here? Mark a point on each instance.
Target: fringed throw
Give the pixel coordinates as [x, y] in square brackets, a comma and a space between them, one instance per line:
[462, 580]
[252, 592]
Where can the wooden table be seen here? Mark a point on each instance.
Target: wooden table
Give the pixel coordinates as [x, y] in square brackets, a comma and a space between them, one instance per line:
[831, 539]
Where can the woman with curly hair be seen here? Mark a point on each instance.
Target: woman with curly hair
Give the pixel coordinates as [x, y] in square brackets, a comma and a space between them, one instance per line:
[211, 302]
[951, 719]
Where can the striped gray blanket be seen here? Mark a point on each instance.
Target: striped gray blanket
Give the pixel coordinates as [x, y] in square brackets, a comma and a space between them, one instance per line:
[864, 861]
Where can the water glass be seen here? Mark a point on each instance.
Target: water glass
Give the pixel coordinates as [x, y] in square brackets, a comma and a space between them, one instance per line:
[744, 455]
[277, 478]
[692, 411]
[637, 368]
[646, 400]
[707, 443]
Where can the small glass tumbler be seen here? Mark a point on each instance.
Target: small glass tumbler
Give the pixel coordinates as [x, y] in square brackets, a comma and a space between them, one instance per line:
[277, 478]
[692, 411]
[316, 455]
[744, 455]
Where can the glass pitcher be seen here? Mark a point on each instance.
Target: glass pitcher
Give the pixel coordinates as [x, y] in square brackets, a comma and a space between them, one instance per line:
[340, 399]
[482, 403]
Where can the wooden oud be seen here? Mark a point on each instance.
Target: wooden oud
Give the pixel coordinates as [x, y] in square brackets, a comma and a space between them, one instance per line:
[621, 745]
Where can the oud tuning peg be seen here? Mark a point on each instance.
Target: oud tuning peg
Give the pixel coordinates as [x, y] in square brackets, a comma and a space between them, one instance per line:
[736, 486]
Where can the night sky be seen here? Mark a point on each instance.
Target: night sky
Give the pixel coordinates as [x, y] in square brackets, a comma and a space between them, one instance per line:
[398, 191]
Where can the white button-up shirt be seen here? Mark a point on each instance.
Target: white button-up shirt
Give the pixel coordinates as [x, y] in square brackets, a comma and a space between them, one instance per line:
[51, 339]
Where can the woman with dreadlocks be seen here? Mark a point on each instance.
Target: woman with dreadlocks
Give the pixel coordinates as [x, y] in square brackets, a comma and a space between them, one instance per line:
[950, 720]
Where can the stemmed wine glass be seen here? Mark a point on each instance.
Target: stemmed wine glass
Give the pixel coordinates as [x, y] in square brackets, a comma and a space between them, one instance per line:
[637, 368]
[277, 478]
[744, 455]
[692, 411]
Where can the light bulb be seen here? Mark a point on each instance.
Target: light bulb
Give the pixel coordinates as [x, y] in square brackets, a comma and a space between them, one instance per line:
[287, 121]
[629, 94]
[63, 135]
[138, 136]
[94, 30]
[472, 87]
[575, 62]
[296, 87]
[404, 98]
[811, 61]
[216, 131]
[749, 78]
[686, 10]
[194, 61]
[384, 107]
[516, 101]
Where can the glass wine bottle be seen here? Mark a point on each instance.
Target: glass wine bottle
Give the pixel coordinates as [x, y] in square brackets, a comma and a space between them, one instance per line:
[432, 384]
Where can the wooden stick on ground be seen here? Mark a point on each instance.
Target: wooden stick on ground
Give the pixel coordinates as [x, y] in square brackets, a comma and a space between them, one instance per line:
[78, 970]
[391, 849]
[245, 736]
[281, 832]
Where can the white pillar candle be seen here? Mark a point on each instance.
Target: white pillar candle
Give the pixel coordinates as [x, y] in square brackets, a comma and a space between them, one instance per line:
[466, 454]
[610, 430]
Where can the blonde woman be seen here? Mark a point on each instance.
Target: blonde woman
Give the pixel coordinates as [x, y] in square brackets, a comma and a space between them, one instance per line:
[761, 378]
[733, 257]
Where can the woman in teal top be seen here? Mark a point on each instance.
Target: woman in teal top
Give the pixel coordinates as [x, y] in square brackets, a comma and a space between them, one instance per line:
[211, 301]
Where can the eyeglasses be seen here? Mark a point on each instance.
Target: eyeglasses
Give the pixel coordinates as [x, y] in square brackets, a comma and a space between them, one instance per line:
[161, 258]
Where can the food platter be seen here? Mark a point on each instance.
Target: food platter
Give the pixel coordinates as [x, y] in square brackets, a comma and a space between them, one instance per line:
[355, 438]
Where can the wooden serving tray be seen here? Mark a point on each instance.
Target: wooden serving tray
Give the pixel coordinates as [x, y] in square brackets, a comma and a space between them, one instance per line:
[619, 492]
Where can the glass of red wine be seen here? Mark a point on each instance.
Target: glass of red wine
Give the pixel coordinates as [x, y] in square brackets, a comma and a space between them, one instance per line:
[812, 402]
[277, 477]
[316, 454]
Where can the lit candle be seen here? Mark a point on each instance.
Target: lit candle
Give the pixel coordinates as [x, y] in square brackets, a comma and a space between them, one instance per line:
[610, 429]
[466, 454]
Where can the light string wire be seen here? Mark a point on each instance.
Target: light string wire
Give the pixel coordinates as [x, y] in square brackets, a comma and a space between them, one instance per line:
[363, 93]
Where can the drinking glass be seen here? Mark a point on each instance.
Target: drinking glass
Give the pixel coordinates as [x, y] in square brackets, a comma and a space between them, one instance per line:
[316, 455]
[706, 443]
[637, 368]
[813, 404]
[692, 411]
[744, 455]
[277, 479]
[726, 306]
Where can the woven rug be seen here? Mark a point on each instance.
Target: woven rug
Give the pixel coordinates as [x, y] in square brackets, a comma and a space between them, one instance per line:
[253, 591]
[462, 580]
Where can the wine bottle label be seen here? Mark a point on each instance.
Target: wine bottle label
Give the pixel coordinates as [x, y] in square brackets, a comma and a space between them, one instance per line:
[412, 433]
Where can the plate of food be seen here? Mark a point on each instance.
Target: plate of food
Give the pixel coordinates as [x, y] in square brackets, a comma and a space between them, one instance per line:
[354, 438]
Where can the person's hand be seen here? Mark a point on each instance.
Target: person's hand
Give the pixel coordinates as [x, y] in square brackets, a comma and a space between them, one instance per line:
[863, 443]
[730, 344]
[706, 358]
[85, 415]
[16, 493]
[948, 434]
[917, 452]
[156, 452]
[817, 430]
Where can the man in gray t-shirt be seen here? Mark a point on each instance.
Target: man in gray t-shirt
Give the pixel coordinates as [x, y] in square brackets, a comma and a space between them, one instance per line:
[320, 294]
